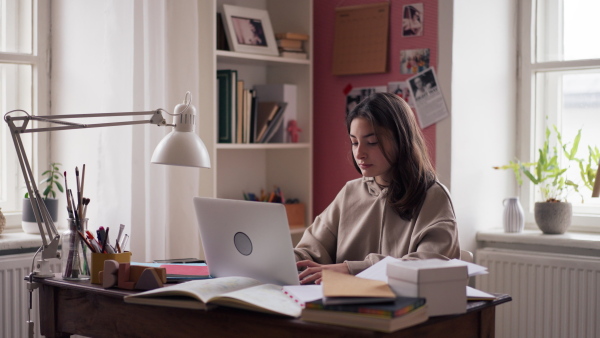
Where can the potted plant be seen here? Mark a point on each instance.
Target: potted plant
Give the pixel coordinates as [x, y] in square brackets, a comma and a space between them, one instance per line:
[50, 181]
[553, 213]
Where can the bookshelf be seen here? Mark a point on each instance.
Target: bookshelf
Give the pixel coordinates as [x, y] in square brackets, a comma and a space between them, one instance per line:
[252, 167]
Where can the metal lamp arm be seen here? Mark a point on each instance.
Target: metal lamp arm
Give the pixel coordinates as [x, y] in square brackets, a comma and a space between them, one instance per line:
[50, 236]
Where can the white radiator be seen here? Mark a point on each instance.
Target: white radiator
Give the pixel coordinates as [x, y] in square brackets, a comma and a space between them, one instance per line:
[14, 296]
[553, 295]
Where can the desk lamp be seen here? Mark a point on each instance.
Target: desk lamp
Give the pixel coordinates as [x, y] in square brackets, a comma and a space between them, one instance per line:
[181, 147]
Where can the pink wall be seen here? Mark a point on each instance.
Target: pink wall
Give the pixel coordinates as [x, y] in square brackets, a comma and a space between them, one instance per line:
[332, 158]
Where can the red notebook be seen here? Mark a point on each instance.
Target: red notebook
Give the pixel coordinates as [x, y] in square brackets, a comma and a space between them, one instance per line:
[186, 270]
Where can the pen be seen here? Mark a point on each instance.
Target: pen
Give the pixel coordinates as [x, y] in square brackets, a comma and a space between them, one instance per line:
[125, 241]
[85, 240]
[93, 241]
[121, 227]
[105, 240]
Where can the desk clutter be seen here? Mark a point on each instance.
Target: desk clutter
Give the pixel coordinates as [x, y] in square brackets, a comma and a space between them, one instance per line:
[77, 242]
[295, 210]
[366, 301]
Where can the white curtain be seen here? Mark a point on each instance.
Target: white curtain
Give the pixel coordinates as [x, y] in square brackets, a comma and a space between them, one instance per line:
[135, 55]
[166, 66]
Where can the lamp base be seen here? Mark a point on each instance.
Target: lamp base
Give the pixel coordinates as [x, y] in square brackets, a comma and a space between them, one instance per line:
[43, 269]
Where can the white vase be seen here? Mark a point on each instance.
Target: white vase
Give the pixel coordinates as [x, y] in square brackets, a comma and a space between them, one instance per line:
[513, 215]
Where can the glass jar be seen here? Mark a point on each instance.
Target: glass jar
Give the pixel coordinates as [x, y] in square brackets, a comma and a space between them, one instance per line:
[75, 263]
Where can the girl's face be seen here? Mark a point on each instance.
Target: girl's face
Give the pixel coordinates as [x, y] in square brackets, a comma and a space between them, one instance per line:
[367, 152]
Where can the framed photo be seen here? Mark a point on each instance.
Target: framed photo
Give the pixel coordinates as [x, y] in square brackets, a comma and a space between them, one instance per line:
[249, 30]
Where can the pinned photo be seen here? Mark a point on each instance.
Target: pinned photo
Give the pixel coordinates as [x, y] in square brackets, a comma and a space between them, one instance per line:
[358, 94]
[412, 20]
[429, 102]
[413, 61]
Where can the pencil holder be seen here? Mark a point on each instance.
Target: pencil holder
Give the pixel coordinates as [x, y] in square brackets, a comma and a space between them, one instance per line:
[98, 262]
[75, 253]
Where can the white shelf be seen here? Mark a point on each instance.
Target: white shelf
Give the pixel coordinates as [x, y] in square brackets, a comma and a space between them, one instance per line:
[242, 146]
[256, 59]
[252, 167]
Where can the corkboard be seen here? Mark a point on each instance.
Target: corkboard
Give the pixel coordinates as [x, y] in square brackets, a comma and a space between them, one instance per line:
[361, 39]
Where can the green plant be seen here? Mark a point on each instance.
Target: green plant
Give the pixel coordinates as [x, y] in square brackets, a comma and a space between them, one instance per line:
[51, 180]
[551, 175]
[588, 167]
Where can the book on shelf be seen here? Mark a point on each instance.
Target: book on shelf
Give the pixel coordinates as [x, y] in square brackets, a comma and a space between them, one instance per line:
[289, 43]
[240, 112]
[227, 105]
[253, 102]
[238, 292]
[293, 55]
[366, 321]
[265, 112]
[292, 36]
[273, 123]
[276, 92]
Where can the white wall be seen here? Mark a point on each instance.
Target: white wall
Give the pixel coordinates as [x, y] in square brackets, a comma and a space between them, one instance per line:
[483, 104]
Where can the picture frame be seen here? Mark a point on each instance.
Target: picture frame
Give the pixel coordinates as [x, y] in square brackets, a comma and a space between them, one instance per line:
[249, 30]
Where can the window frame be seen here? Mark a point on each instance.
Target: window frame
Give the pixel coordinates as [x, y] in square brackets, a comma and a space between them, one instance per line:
[40, 60]
[530, 129]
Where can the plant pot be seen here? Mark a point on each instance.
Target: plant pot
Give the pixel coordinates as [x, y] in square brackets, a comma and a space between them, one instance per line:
[553, 217]
[28, 222]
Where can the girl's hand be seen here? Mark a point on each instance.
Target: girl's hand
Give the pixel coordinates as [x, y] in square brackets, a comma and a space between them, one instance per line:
[313, 272]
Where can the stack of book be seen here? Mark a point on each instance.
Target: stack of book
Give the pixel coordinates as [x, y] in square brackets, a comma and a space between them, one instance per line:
[385, 317]
[292, 45]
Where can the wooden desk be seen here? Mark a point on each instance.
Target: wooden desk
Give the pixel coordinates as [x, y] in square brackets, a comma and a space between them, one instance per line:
[86, 309]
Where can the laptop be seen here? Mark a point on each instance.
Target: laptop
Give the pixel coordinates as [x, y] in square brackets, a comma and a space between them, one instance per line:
[245, 238]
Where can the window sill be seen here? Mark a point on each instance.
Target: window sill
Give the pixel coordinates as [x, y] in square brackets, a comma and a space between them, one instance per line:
[12, 243]
[573, 243]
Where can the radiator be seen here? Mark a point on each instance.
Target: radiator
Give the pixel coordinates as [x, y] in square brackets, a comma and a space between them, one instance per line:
[553, 295]
[14, 296]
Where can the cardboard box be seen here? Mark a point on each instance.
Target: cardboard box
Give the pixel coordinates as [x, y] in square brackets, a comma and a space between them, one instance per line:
[295, 214]
[442, 283]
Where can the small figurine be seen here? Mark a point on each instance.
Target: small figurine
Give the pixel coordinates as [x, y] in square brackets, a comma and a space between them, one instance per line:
[293, 130]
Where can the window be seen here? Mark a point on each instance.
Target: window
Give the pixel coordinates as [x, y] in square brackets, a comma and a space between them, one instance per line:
[24, 28]
[560, 86]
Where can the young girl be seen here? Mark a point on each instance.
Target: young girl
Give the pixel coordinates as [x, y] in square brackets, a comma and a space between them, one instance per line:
[397, 208]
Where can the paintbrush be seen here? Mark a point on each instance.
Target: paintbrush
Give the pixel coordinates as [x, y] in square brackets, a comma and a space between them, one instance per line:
[81, 191]
[78, 191]
[69, 208]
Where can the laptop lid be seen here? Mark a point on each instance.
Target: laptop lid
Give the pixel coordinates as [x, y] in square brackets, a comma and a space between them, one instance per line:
[244, 238]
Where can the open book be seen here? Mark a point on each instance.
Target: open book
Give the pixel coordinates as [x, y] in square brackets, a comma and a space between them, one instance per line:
[239, 292]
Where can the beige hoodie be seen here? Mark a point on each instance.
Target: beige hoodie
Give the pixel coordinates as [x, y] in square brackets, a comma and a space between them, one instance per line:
[359, 228]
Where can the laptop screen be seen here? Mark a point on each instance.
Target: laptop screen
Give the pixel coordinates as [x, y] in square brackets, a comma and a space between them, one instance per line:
[249, 239]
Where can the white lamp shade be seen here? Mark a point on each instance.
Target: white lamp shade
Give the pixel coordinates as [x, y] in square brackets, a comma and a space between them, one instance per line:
[182, 148]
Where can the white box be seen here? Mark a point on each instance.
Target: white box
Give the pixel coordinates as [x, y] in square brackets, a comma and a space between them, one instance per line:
[442, 283]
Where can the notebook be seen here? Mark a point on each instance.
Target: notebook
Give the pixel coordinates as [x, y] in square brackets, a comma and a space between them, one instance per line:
[246, 238]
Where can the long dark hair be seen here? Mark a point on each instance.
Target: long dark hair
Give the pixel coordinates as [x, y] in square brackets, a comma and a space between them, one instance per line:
[412, 173]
